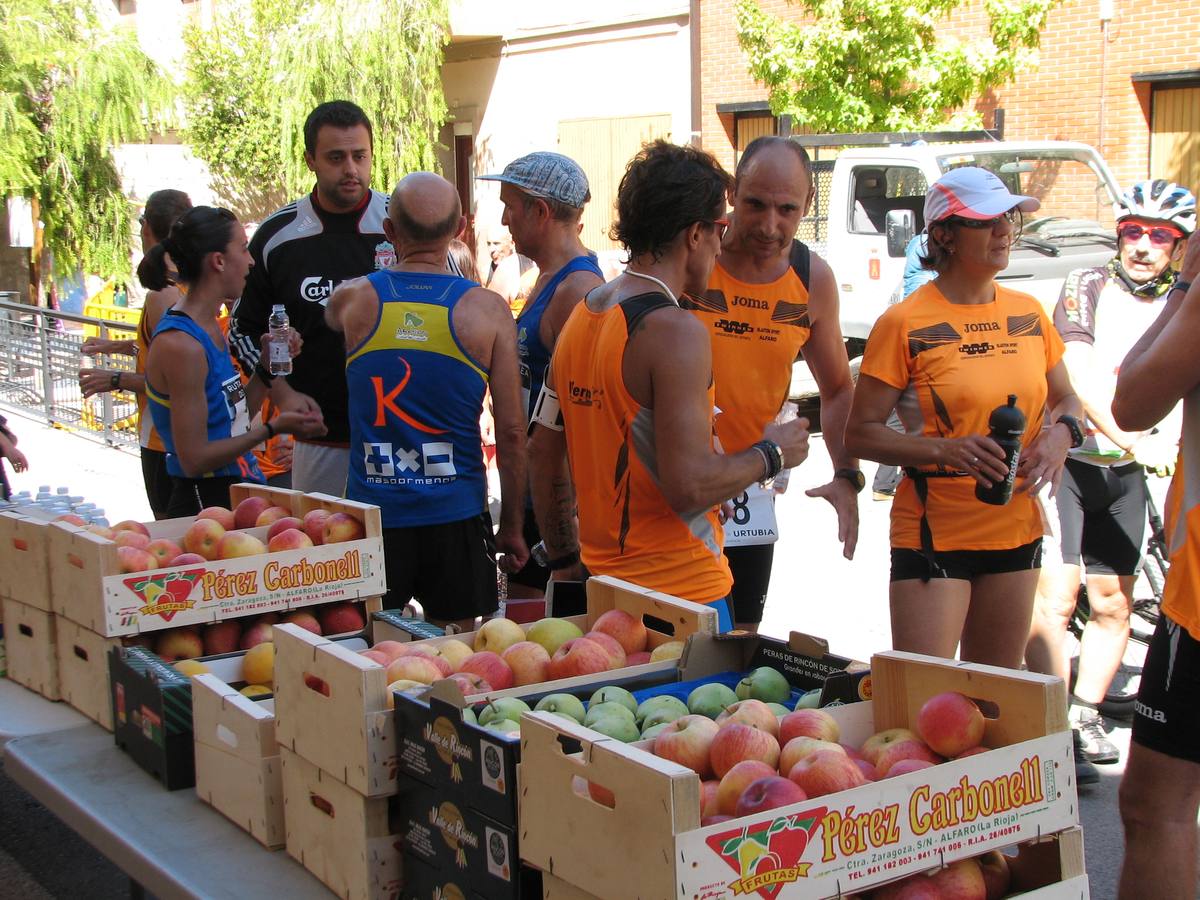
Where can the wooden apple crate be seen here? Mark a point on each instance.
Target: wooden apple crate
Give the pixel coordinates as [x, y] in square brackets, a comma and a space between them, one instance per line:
[90, 589]
[332, 705]
[30, 640]
[343, 838]
[1051, 868]
[83, 670]
[654, 825]
[238, 771]
[25, 560]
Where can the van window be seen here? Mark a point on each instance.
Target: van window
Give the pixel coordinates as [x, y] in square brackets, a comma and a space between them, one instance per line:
[877, 190]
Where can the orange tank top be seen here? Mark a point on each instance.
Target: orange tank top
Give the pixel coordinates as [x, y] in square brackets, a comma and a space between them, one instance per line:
[757, 331]
[626, 527]
[147, 436]
[1181, 597]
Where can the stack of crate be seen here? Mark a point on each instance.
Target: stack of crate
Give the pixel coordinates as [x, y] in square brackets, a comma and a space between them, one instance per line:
[31, 632]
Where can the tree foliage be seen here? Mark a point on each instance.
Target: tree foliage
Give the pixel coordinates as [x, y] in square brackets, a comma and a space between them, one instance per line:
[74, 87]
[879, 65]
[255, 75]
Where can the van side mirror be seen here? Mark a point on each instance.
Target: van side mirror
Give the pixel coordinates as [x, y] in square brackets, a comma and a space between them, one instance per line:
[900, 224]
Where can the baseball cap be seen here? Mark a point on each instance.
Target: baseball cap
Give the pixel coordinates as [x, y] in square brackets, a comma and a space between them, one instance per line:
[973, 193]
[551, 176]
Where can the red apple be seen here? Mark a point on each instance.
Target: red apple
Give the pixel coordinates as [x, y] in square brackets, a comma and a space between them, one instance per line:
[754, 713]
[530, 663]
[498, 635]
[914, 887]
[246, 512]
[616, 653]
[708, 798]
[390, 649]
[454, 652]
[163, 550]
[470, 684]
[906, 767]
[770, 792]
[314, 525]
[280, 525]
[578, 656]
[131, 539]
[414, 668]
[798, 748]
[134, 559]
[868, 770]
[340, 618]
[996, 875]
[687, 741]
[131, 525]
[814, 723]
[203, 536]
[103, 530]
[734, 783]
[974, 751]
[851, 752]
[258, 633]
[237, 544]
[714, 820]
[218, 514]
[638, 659]
[303, 618]
[186, 559]
[222, 637]
[826, 772]
[898, 750]
[962, 880]
[735, 742]
[271, 514]
[629, 631]
[179, 643]
[950, 723]
[490, 667]
[72, 518]
[341, 527]
[288, 539]
[872, 746]
[376, 656]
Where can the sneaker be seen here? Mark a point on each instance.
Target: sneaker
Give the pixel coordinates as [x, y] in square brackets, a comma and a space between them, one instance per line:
[1097, 748]
[882, 495]
[1085, 772]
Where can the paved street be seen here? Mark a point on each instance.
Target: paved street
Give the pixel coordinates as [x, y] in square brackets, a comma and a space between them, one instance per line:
[813, 589]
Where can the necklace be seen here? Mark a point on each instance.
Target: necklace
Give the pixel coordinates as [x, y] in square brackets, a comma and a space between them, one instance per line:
[666, 289]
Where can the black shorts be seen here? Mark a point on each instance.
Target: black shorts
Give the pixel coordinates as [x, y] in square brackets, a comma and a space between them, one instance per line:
[531, 574]
[1164, 715]
[157, 480]
[965, 564]
[1102, 517]
[751, 568]
[190, 495]
[450, 569]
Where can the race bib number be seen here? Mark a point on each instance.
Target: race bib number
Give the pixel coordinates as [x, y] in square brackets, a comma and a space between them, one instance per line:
[753, 519]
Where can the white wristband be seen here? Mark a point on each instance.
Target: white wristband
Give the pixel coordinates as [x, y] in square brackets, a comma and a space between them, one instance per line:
[547, 412]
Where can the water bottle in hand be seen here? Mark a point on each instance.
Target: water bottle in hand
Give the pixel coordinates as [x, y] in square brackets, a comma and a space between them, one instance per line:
[1007, 425]
[280, 361]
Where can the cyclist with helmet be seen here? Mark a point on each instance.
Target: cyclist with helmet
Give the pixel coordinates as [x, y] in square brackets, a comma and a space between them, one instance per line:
[1102, 500]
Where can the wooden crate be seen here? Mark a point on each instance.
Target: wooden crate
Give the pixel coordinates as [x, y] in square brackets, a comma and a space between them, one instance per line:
[554, 888]
[332, 705]
[822, 847]
[30, 641]
[91, 590]
[83, 670]
[238, 772]
[1051, 868]
[25, 560]
[343, 838]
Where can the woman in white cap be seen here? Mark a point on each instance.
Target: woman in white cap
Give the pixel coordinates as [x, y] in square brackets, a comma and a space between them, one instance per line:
[964, 570]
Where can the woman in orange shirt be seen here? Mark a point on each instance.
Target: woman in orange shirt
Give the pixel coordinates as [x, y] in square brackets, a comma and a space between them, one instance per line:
[965, 571]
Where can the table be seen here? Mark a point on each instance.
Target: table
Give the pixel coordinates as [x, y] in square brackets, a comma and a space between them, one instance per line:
[166, 841]
[22, 713]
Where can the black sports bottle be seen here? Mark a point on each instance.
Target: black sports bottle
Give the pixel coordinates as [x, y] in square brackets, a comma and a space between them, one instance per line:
[1007, 424]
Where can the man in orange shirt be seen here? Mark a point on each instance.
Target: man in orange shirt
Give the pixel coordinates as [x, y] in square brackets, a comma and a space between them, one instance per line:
[634, 373]
[767, 298]
[1160, 794]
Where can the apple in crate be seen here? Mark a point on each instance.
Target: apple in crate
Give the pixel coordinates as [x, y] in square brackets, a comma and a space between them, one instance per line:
[340, 618]
[186, 559]
[616, 653]
[961, 880]
[611, 693]
[904, 767]
[246, 513]
[163, 550]
[131, 539]
[638, 659]
[688, 741]
[708, 798]
[134, 559]
[566, 705]
[800, 747]
[754, 713]
[237, 544]
[553, 633]
[765, 684]
[390, 649]
[284, 524]
[950, 723]
[629, 631]
[490, 667]
[734, 783]
[103, 530]
[710, 699]
[656, 710]
[218, 514]
[826, 772]
[271, 514]
[578, 656]
[454, 652]
[414, 667]
[72, 519]
[303, 618]
[288, 539]
[530, 663]
[258, 633]
[222, 637]
[498, 635]
[502, 708]
[770, 792]
[874, 745]
[736, 742]
[203, 536]
[996, 874]
[341, 527]
[914, 887]
[179, 643]
[669, 650]
[469, 685]
[898, 750]
[814, 723]
[131, 525]
[314, 525]
[614, 720]
[258, 665]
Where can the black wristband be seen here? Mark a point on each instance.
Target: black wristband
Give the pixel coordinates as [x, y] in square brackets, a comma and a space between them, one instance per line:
[270, 429]
[1181, 285]
[261, 371]
[563, 562]
[772, 455]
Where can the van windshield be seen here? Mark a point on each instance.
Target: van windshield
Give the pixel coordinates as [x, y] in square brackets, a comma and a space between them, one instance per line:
[1076, 197]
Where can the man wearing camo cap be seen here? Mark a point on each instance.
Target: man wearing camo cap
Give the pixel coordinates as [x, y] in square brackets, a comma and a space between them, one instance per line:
[543, 195]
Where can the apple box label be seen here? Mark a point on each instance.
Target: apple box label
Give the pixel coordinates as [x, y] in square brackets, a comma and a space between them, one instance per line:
[492, 759]
[497, 854]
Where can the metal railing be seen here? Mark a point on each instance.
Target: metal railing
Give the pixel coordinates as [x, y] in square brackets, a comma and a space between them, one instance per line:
[40, 359]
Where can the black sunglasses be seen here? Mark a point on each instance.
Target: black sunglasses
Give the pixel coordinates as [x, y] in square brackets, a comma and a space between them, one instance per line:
[1012, 217]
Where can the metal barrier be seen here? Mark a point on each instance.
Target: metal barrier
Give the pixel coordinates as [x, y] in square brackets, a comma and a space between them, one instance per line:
[40, 359]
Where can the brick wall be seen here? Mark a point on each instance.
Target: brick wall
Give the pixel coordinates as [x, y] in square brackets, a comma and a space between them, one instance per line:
[1060, 100]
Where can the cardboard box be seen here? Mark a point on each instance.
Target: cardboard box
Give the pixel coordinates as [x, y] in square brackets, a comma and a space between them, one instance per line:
[31, 647]
[238, 771]
[91, 590]
[554, 888]
[350, 842]
[152, 715]
[25, 560]
[83, 670]
[836, 844]
[456, 840]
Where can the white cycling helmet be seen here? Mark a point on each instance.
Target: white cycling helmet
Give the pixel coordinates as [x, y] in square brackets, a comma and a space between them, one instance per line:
[1163, 201]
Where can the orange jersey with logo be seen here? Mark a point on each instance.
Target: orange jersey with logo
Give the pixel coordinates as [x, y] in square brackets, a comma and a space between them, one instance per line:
[757, 331]
[147, 436]
[960, 362]
[626, 527]
[1181, 597]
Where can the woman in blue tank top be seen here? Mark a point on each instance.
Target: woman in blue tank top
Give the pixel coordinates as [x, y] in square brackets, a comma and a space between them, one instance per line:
[196, 398]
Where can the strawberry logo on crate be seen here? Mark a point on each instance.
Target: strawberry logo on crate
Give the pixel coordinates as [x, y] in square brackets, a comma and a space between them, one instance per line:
[766, 855]
[165, 595]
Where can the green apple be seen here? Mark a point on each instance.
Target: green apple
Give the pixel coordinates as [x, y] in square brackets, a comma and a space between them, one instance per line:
[564, 705]
[809, 699]
[614, 694]
[503, 708]
[469, 716]
[504, 726]
[778, 708]
[652, 732]
[656, 706]
[599, 711]
[765, 684]
[710, 699]
[552, 633]
[621, 728]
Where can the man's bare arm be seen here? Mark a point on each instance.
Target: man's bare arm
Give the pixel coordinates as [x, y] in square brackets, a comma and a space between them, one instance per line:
[825, 354]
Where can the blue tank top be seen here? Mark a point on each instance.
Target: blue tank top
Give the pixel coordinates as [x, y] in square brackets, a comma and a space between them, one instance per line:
[415, 400]
[535, 357]
[224, 394]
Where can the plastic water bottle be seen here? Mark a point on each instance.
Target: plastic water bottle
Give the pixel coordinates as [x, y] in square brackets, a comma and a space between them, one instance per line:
[280, 360]
[1006, 426]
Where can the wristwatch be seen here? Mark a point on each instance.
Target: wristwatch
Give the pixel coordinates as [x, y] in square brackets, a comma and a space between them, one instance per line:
[115, 381]
[1072, 424]
[1181, 285]
[854, 476]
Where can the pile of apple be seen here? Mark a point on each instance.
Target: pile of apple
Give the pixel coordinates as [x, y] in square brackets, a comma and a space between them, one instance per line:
[503, 655]
[984, 877]
[217, 534]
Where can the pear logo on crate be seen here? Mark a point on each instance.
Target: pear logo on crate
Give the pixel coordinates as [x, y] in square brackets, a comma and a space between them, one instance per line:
[447, 819]
[766, 855]
[165, 595]
[450, 750]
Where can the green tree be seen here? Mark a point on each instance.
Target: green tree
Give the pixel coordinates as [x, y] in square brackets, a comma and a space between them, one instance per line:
[254, 76]
[73, 89]
[878, 65]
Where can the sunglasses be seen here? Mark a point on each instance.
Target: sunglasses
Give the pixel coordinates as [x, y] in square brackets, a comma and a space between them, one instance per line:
[1012, 217]
[721, 224]
[1159, 236]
